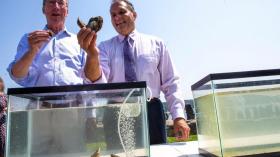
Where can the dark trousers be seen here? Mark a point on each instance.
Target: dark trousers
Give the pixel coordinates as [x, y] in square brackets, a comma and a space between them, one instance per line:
[156, 122]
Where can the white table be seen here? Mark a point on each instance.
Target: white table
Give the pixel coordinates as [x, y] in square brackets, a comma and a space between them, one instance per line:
[180, 149]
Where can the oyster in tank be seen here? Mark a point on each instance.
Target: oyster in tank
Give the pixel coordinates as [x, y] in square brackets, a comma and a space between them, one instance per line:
[94, 23]
[96, 153]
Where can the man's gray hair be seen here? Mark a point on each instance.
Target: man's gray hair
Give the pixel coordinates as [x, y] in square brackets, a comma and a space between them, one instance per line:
[129, 4]
[44, 2]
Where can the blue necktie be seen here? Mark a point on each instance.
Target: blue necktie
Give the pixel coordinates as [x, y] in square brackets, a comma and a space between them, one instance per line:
[129, 64]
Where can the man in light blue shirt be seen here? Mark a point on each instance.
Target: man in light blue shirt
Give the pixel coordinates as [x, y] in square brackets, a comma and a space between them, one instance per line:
[153, 65]
[44, 60]
[53, 57]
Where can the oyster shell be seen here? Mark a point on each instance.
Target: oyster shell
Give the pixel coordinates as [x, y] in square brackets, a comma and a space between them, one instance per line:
[51, 33]
[96, 153]
[94, 23]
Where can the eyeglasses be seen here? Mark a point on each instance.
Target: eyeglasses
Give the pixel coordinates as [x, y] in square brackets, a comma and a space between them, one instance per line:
[61, 3]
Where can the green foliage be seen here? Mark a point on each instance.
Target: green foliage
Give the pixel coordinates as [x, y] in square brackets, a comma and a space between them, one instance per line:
[173, 139]
[92, 147]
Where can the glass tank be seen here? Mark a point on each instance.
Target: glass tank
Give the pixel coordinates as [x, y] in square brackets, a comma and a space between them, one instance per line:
[97, 120]
[238, 114]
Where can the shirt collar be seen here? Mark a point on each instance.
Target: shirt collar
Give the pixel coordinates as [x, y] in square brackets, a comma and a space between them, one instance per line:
[132, 35]
[62, 31]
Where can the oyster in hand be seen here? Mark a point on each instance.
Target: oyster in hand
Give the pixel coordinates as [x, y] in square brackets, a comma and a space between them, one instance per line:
[51, 33]
[94, 23]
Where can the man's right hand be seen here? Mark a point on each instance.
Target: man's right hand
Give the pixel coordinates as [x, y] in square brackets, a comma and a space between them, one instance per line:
[87, 40]
[37, 38]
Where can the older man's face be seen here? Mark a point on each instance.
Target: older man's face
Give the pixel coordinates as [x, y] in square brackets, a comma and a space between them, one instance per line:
[56, 11]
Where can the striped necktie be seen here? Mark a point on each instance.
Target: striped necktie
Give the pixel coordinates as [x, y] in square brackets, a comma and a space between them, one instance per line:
[129, 63]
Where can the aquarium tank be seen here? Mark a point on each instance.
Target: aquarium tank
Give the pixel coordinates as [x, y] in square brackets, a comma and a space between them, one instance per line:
[238, 113]
[94, 120]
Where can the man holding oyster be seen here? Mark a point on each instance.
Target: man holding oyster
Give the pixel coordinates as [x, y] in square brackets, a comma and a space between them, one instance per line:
[133, 56]
[53, 57]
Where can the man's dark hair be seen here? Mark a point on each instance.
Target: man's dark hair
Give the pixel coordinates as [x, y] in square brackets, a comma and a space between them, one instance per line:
[44, 2]
[129, 4]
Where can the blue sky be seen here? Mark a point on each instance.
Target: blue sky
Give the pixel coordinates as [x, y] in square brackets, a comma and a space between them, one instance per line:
[203, 36]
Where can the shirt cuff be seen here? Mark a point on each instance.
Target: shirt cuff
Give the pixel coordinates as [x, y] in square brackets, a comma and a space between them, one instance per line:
[101, 79]
[178, 112]
[18, 80]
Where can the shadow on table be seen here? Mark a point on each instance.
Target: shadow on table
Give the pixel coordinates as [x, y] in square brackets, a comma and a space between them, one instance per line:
[191, 155]
[183, 144]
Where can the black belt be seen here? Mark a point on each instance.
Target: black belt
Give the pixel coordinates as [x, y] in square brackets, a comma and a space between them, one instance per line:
[154, 99]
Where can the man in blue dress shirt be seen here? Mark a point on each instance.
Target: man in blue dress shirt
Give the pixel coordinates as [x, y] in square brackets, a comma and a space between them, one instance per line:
[153, 65]
[52, 57]
[43, 59]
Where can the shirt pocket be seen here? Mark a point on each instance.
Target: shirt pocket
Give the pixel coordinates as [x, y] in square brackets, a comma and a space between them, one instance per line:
[147, 64]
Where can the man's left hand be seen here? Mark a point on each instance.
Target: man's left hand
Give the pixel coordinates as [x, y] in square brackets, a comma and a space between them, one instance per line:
[181, 129]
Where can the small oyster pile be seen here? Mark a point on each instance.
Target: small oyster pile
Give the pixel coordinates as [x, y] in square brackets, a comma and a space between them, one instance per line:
[97, 154]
